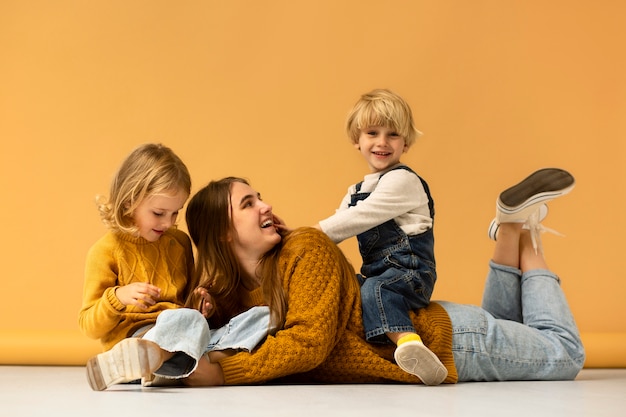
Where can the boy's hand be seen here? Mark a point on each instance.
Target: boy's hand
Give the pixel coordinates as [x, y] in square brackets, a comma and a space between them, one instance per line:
[280, 225]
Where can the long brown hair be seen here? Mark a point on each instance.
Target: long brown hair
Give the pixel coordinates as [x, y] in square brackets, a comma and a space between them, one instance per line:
[209, 222]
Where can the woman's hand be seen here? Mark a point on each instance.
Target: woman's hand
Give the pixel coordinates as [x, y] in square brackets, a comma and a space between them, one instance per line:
[203, 301]
[139, 294]
[207, 374]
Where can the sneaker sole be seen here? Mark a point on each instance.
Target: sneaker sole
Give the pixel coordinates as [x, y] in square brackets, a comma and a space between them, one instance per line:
[130, 359]
[543, 185]
[416, 359]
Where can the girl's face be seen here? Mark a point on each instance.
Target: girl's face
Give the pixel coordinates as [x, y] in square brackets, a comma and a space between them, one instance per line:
[381, 147]
[157, 213]
[253, 232]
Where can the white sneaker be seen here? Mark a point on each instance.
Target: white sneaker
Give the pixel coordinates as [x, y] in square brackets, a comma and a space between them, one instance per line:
[130, 359]
[416, 359]
[517, 203]
[526, 201]
[542, 212]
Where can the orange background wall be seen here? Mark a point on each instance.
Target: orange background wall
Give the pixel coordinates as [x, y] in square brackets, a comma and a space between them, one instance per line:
[261, 88]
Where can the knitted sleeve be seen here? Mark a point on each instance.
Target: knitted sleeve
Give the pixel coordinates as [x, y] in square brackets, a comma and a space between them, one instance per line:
[101, 311]
[315, 284]
[395, 194]
[117, 260]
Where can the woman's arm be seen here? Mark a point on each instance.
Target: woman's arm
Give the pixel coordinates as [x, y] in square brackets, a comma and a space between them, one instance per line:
[321, 291]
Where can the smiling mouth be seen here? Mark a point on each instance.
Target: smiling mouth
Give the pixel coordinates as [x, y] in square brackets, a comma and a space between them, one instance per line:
[266, 224]
[382, 153]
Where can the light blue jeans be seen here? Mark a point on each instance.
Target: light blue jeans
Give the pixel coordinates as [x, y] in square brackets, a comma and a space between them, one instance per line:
[186, 332]
[524, 330]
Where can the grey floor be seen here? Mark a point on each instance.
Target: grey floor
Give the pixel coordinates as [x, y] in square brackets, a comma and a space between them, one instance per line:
[45, 391]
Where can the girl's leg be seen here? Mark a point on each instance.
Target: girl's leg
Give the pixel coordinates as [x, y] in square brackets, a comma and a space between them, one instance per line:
[128, 360]
[170, 349]
[183, 332]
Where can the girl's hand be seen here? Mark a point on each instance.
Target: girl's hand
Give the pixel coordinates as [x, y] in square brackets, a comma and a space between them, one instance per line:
[139, 294]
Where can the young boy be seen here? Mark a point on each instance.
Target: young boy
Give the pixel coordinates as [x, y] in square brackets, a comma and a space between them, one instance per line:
[391, 212]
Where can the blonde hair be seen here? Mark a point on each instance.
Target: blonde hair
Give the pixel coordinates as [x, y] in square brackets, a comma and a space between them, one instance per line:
[382, 107]
[151, 169]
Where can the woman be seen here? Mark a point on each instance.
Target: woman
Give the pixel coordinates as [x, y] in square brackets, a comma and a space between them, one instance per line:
[524, 331]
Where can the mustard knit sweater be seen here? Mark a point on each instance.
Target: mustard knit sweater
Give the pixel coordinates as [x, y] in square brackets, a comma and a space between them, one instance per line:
[118, 259]
[323, 337]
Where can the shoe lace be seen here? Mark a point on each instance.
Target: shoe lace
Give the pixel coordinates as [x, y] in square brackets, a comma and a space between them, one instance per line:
[536, 229]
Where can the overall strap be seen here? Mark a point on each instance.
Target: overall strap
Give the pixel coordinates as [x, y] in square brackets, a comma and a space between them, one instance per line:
[431, 203]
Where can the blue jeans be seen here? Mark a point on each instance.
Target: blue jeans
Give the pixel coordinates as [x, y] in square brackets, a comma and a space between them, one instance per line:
[524, 330]
[243, 332]
[186, 332]
[388, 297]
[398, 272]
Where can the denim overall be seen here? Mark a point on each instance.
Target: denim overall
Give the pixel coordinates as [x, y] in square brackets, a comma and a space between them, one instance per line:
[397, 275]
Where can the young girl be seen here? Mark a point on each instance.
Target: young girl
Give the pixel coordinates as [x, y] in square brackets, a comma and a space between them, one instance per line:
[139, 275]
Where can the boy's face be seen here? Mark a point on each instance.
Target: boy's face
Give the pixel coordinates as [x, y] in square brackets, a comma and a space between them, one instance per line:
[381, 147]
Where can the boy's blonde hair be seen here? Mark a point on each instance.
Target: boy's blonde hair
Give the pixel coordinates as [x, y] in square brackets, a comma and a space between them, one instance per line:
[151, 169]
[385, 108]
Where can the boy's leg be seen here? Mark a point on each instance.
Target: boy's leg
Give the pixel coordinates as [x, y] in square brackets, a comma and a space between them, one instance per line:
[386, 300]
[415, 358]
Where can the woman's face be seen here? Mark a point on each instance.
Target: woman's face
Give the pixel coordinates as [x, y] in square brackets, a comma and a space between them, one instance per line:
[253, 233]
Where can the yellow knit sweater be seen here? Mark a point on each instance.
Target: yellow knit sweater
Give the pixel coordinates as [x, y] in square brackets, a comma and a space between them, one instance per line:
[118, 259]
[323, 337]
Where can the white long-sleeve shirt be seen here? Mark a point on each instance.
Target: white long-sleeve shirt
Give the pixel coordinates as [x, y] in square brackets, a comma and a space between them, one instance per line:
[398, 195]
